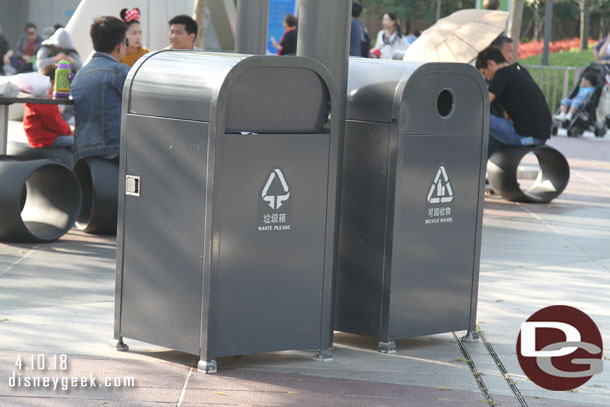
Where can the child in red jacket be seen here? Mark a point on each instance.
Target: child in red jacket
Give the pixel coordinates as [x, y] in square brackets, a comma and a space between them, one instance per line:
[43, 124]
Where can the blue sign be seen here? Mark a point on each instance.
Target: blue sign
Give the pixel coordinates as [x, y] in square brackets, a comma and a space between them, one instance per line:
[277, 11]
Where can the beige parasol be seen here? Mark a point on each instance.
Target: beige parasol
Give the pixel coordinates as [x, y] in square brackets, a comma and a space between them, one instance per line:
[458, 37]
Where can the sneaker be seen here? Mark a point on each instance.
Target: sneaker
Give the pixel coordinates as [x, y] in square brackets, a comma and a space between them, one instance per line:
[560, 116]
[568, 116]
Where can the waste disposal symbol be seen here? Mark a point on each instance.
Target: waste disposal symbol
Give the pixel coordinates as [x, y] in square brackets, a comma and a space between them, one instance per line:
[440, 190]
[276, 193]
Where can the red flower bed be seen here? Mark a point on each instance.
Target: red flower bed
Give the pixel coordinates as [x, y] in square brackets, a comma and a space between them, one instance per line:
[532, 48]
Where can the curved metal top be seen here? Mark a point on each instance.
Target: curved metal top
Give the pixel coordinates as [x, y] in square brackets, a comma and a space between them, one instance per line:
[389, 91]
[243, 92]
[177, 83]
[371, 85]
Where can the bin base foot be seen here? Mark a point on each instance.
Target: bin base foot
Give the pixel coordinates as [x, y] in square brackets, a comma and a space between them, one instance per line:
[119, 345]
[325, 355]
[471, 336]
[207, 366]
[387, 347]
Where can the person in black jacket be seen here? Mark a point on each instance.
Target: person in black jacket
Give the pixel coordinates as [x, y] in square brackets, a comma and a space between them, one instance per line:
[5, 53]
[528, 120]
[288, 42]
[359, 40]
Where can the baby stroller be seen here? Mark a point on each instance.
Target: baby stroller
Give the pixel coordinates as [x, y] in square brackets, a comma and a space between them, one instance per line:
[585, 117]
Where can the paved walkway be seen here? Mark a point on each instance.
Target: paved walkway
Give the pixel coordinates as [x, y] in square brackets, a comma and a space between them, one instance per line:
[57, 299]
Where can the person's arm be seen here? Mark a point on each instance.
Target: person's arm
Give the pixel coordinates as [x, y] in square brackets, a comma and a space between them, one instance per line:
[4, 46]
[19, 48]
[603, 51]
[379, 41]
[7, 57]
[76, 62]
[596, 50]
[120, 77]
[275, 44]
[71, 57]
[355, 39]
[59, 125]
[42, 58]
[52, 120]
[498, 84]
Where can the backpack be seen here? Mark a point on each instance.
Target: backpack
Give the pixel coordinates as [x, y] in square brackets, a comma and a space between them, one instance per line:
[365, 41]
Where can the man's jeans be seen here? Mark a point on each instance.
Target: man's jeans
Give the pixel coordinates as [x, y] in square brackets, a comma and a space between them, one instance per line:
[502, 133]
[63, 141]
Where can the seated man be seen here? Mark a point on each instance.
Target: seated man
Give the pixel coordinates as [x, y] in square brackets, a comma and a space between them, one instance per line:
[182, 32]
[529, 119]
[97, 91]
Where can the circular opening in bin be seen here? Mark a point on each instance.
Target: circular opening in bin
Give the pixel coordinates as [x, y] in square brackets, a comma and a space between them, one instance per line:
[83, 173]
[51, 202]
[444, 103]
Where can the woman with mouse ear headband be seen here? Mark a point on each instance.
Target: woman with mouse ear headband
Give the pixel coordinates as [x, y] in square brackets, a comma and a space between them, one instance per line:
[134, 36]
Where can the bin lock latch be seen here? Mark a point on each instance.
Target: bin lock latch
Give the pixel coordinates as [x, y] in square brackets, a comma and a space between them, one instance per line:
[132, 185]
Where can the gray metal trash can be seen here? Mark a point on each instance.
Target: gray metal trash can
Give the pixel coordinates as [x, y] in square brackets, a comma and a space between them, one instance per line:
[227, 206]
[412, 199]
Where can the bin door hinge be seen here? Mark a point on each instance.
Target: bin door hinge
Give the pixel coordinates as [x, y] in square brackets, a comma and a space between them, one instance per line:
[132, 185]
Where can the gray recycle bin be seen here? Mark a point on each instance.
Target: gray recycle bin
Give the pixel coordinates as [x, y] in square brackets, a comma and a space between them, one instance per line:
[227, 205]
[412, 199]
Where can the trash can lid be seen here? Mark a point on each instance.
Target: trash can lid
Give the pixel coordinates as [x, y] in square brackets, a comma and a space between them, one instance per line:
[237, 92]
[372, 86]
[422, 98]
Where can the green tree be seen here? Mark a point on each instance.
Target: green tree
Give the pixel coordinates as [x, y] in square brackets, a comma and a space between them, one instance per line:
[569, 18]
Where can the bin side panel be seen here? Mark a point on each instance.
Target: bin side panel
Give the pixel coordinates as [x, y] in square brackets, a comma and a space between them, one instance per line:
[266, 284]
[163, 232]
[436, 212]
[363, 229]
